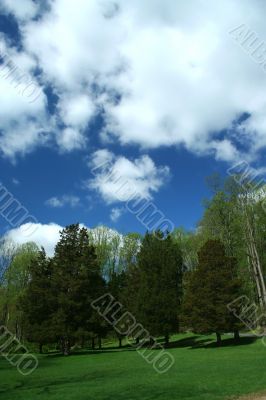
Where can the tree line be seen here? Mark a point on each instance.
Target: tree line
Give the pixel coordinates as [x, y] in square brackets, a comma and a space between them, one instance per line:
[181, 281]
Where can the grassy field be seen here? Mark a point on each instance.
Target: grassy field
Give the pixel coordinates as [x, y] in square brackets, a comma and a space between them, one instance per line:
[201, 371]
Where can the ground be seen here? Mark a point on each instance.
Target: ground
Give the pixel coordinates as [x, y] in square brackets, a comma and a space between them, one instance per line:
[201, 372]
[254, 397]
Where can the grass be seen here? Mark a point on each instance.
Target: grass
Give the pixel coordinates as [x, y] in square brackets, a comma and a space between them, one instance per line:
[201, 372]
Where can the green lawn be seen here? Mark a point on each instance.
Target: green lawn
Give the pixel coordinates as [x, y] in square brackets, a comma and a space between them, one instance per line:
[202, 373]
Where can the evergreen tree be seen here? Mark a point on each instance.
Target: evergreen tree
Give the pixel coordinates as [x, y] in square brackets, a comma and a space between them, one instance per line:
[77, 280]
[159, 295]
[211, 287]
[38, 303]
[116, 287]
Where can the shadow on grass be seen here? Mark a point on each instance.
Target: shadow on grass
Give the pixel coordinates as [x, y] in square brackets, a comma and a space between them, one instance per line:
[197, 342]
[243, 341]
[90, 352]
[192, 343]
[185, 342]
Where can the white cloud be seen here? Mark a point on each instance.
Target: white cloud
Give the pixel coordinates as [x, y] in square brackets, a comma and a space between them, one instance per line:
[116, 213]
[44, 235]
[225, 150]
[47, 235]
[120, 177]
[70, 139]
[100, 158]
[59, 202]
[23, 118]
[22, 9]
[179, 75]
[76, 110]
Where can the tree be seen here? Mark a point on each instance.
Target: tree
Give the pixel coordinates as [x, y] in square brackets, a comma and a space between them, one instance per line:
[189, 244]
[129, 250]
[234, 217]
[211, 287]
[8, 250]
[250, 205]
[220, 221]
[77, 281]
[130, 278]
[38, 302]
[108, 245]
[16, 280]
[116, 286]
[160, 288]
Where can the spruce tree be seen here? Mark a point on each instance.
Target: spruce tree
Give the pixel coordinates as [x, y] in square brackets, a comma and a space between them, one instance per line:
[211, 287]
[159, 295]
[116, 286]
[77, 280]
[38, 303]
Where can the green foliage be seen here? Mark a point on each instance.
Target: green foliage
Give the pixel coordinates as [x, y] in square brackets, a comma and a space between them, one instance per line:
[210, 288]
[8, 250]
[227, 216]
[58, 299]
[144, 274]
[160, 287]
[38, 302]
[189, 244]
[16, 280]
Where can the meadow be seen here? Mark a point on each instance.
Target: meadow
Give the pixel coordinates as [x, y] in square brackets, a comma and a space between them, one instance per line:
[201, 371]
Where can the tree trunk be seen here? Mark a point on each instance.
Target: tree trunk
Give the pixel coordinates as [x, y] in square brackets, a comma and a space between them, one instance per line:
[166, 340]
[259, 268]
[66, 347]
[236, 336]
[255, 277]
[152, 341]
[93, 343]
[218, 339]
[4, 315]
[120, 342]
[100, 342]
[40, 348]
[255, 260]
[137, 340]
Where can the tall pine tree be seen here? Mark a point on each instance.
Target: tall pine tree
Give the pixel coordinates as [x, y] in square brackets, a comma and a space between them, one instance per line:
[211, 287]
[77, 279]
[38, 303]
[159, 295]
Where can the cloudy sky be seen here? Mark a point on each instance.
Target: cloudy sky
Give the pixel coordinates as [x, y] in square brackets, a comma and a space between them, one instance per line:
[166, 92]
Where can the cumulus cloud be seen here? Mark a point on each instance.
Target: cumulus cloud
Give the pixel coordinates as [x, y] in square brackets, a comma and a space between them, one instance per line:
[116, 213]
[100, 158]
[47, 235]
[69, 139]
[24, 121]
[162, 74]
[65, 200]
[116, 177]
[44, 235]
[23, 9]
[75, 110]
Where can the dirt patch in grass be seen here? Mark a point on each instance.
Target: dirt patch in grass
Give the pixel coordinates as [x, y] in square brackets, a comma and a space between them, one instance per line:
[253, 397]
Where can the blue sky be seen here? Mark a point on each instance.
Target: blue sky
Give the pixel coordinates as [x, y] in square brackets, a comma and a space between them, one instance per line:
[166, 100]
[43, 174]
